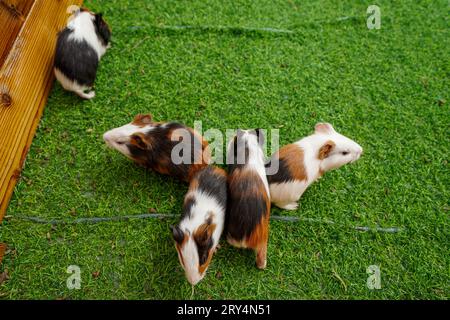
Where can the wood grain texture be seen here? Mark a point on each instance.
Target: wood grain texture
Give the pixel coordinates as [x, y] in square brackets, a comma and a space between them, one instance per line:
[26, 77]
[12, 16]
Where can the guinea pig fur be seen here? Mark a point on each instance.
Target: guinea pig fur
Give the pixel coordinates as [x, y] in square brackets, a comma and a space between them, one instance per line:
[198, 233]
[303, 162]
[152, 145]
[79, 47]
[248, 210]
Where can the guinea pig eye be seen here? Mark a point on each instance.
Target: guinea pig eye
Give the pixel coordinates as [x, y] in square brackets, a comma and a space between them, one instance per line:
[344, 153]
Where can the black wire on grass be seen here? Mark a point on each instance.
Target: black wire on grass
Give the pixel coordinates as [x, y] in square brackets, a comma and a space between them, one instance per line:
[207, 28]
[228, 29]
[169, 215]
[235, 30]
[93, 219]
[243, 29]
[359, 228]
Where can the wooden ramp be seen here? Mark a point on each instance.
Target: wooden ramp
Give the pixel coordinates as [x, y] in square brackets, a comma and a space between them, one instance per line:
[28, 30]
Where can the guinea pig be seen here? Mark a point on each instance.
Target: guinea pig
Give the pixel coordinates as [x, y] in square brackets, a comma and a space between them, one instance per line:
[248, 209]
[79, 47]
[168, 148]
[197, 234]
[303, 162]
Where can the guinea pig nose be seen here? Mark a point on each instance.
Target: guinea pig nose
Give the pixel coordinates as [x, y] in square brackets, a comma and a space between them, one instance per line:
[109, 141]
[106, 137]
[194, 280]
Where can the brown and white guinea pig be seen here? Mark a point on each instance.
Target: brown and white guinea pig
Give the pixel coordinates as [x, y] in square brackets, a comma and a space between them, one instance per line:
[197, 234]
[79, 47]
[248, 209]
[303, 162]
[168, 148]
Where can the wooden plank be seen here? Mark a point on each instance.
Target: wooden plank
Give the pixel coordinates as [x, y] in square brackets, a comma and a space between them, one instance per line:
[25, 81]
[12, 16]
[20, 6]
[2, 252]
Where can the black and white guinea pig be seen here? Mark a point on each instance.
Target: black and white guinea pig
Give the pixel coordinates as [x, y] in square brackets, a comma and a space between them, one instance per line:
[303, 162]
[198, 233]
[168, 148]
[79, 47]
[248, 210]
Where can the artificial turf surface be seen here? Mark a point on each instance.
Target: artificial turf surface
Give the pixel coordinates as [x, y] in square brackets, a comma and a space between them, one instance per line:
[387, 89]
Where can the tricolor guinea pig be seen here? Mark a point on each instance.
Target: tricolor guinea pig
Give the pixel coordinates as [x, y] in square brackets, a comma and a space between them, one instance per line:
[248, 209]
[303, 162]
[198, 233]
[79, 47]
[168, 148]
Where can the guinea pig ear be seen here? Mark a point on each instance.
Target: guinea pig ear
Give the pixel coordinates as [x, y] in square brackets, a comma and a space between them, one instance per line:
[323, 128]
[325, 150]
[177, 233]
[139, 140]
[142, 119]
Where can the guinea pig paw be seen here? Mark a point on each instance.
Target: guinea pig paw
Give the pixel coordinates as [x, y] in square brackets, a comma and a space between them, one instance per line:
[86, 96]
[289, 206]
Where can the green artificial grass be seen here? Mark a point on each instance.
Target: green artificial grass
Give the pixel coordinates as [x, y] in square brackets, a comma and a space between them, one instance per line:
[388, 89]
